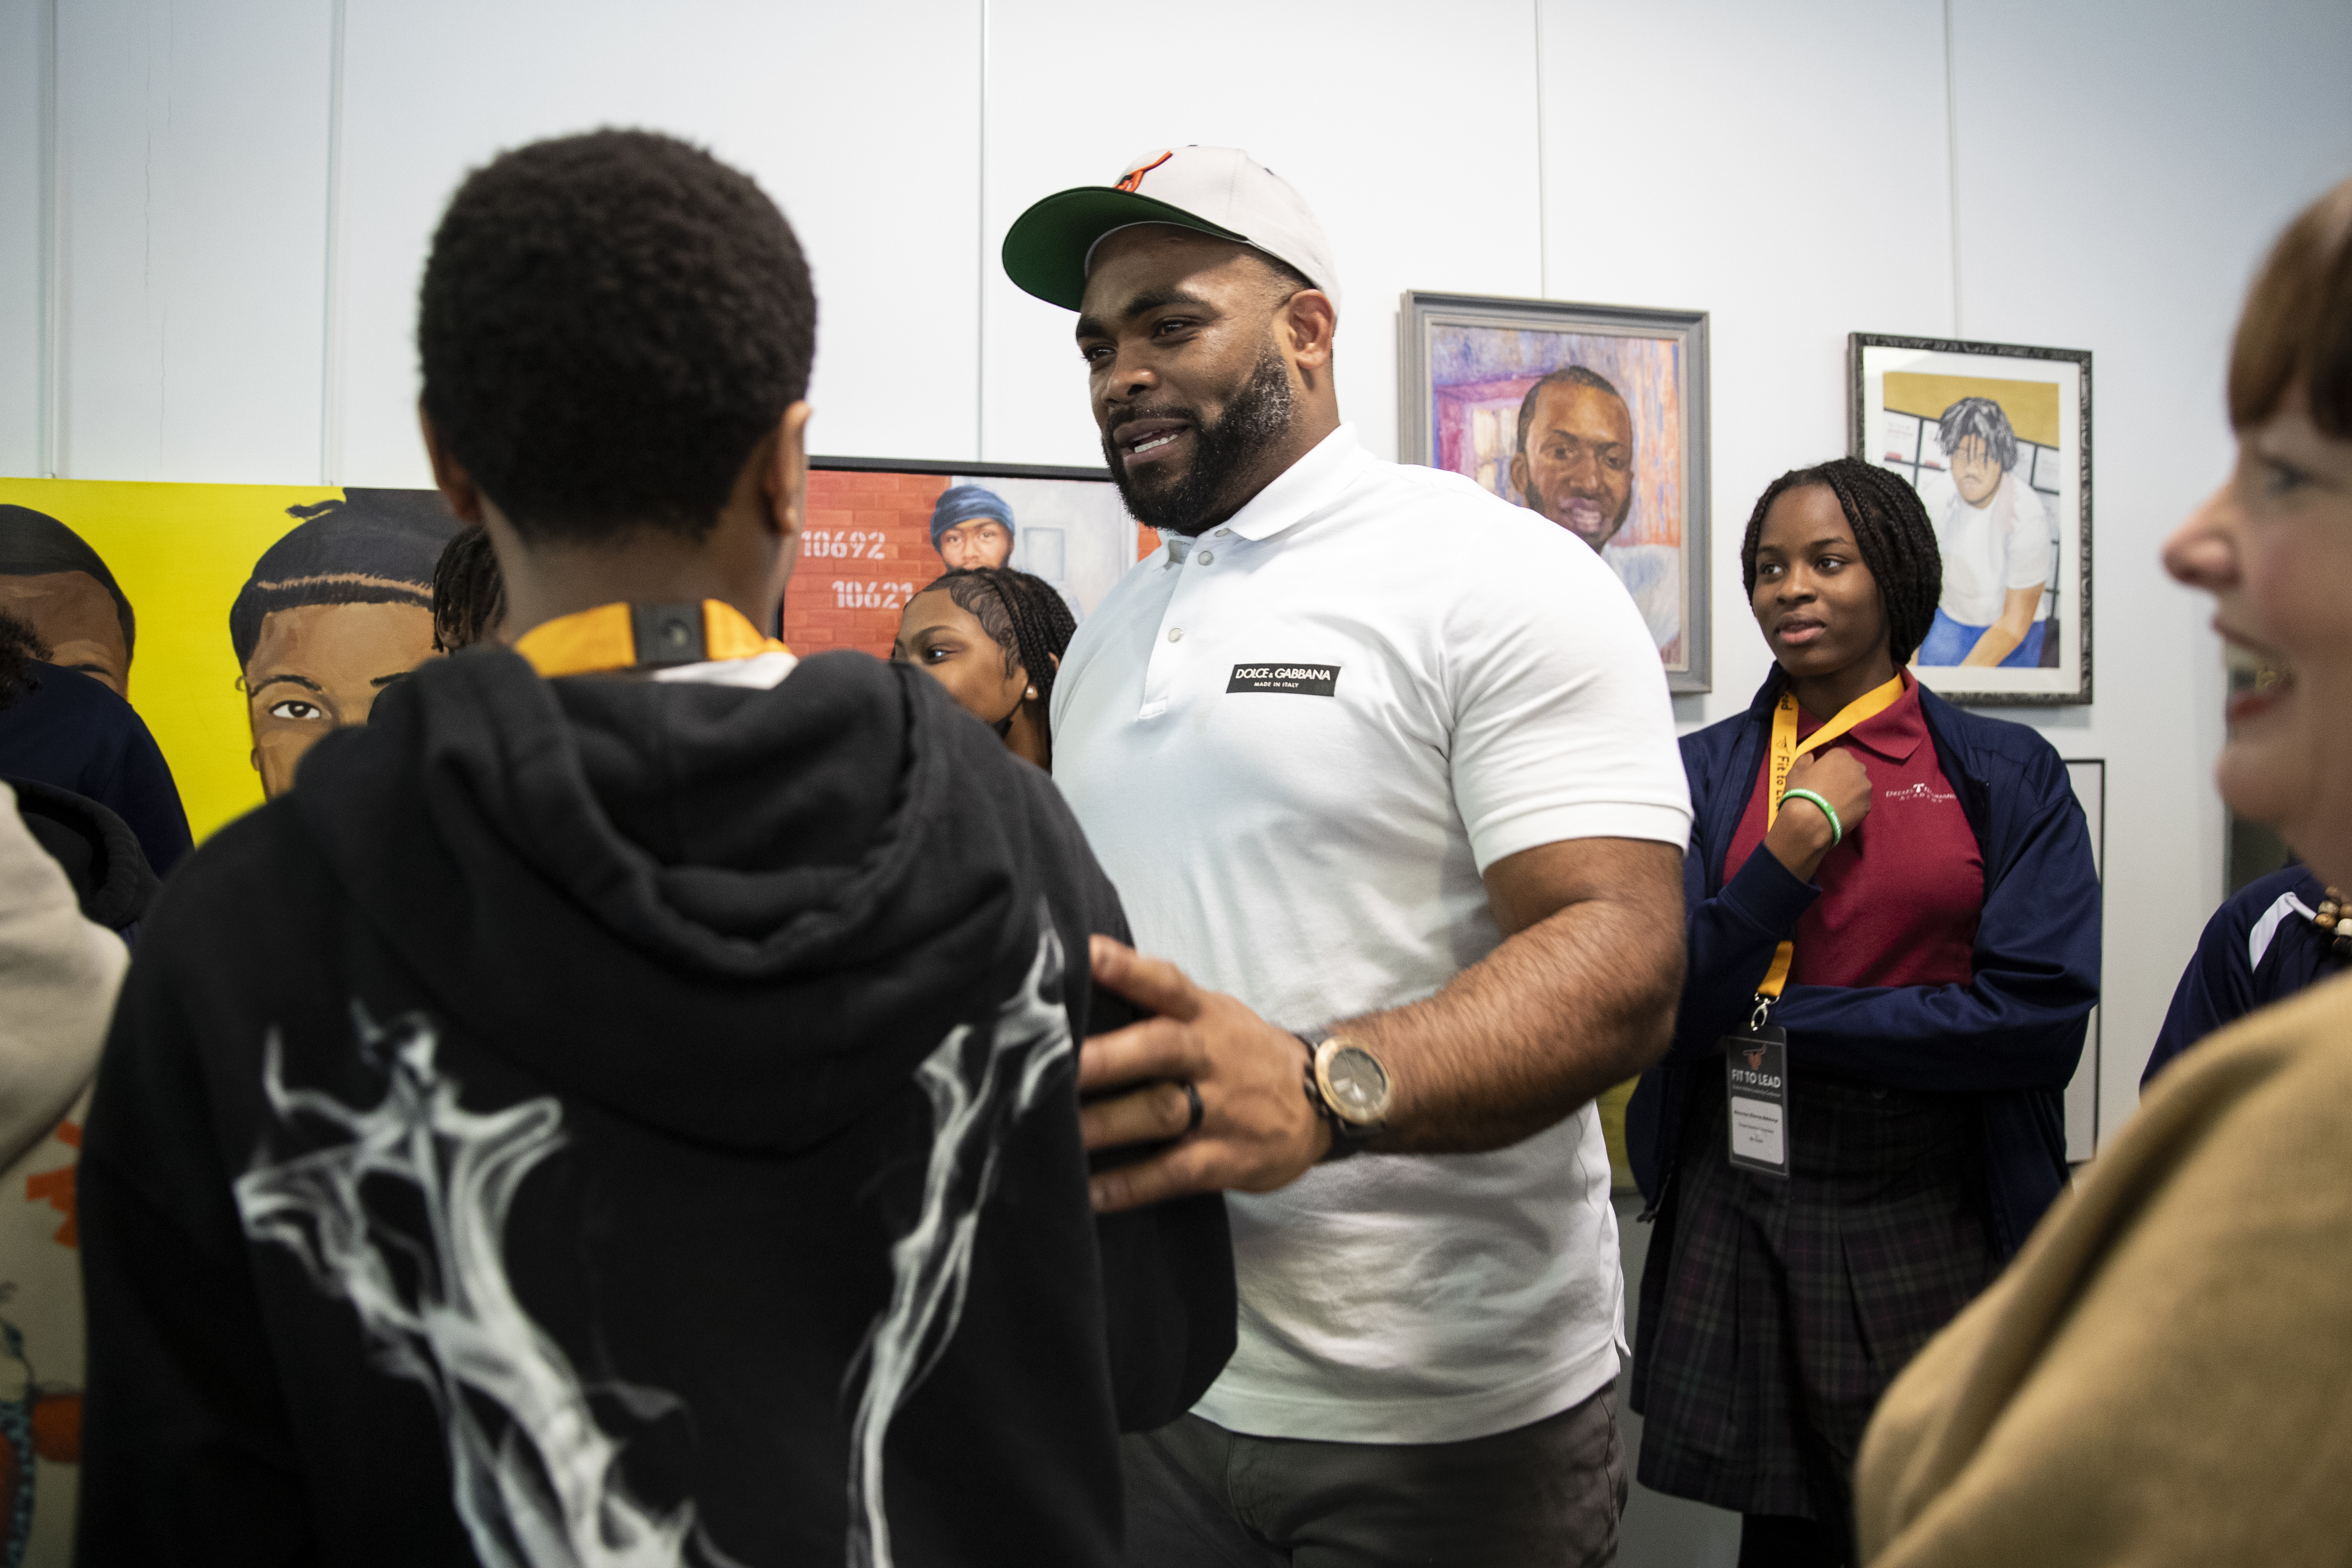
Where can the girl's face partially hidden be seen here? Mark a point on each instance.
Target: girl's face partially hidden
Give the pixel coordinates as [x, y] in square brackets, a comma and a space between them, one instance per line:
[2273, 546]
[948, 641]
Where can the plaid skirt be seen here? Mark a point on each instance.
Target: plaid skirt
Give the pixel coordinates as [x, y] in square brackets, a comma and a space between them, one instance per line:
[1775, 1314]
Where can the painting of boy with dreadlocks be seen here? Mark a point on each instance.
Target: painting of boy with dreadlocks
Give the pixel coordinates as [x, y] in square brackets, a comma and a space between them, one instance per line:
[1999, 543]
[335, 612]
[1996, 440]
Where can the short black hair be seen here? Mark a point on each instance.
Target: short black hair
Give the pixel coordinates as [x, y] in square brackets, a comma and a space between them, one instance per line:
[372, 547]
[35, 544]
[1979, 419]
[1566, 375]
[469, 595]
[1890, 527]
[609, 326]
[1288, 279]
[1027, 616]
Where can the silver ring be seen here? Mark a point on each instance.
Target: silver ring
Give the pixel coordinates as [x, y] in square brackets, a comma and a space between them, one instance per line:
[1193, 1093]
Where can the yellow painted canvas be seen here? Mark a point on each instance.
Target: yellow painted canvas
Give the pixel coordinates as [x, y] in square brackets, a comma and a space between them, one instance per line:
[330, 591]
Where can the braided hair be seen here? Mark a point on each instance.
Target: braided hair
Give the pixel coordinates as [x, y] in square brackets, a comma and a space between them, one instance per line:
[1890, 527]
[469, 596]
[1026, 616]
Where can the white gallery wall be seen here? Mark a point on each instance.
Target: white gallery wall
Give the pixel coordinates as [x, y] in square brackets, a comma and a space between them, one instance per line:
[213, 216]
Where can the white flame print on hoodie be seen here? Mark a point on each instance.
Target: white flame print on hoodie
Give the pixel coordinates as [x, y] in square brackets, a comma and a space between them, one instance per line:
[978, 1086]
[545, 1490]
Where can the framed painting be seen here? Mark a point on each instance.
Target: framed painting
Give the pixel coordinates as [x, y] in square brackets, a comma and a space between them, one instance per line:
[1996, 437]
[263, 617]
[881, 528]
[1594, 417]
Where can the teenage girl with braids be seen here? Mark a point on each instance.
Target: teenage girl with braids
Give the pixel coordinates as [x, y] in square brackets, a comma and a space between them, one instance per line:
[993, 637]
[1916, 908]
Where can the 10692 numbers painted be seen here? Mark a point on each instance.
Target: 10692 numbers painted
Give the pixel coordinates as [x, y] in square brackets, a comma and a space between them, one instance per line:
[857, 545]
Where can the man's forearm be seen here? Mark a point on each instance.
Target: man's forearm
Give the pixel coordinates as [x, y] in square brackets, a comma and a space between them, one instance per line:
[1580, 1000]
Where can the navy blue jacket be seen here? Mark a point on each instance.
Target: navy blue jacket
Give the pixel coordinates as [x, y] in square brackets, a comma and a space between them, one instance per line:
[2258, 949]
[2011, 1037]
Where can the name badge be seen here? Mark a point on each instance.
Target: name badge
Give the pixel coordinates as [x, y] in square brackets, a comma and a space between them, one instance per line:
[1299, 679]
[1756, 1080]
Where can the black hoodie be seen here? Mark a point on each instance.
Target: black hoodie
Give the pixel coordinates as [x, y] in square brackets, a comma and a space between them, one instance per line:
[600, 1117]
[97, 851]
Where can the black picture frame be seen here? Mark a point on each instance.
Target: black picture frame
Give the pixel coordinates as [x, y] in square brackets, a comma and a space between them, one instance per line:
[2065, 677]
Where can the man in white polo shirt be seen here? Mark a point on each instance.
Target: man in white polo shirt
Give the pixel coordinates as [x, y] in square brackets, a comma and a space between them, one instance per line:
[1385, 770]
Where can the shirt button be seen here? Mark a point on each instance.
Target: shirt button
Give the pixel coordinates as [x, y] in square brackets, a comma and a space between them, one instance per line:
[1223, 531]
[1175, 634]
[1207, 556]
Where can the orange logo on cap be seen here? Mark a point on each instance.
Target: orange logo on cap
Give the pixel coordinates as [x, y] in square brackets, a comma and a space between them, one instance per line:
[1134, 177]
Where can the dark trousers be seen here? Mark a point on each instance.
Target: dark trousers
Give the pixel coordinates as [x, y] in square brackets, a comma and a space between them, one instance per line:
[1546, 1495]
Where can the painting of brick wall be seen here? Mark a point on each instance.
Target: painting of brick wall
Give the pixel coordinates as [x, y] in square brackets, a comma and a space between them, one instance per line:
[867, 546]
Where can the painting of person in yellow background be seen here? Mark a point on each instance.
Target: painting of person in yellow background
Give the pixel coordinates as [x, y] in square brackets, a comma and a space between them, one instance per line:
[51, 579]
[335, 612]
[314, 583]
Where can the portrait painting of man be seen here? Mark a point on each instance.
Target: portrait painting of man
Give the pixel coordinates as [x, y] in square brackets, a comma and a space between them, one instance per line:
[335, 612]
[1593, 418]
[879, 532]
[971, 526]
[1574, 464]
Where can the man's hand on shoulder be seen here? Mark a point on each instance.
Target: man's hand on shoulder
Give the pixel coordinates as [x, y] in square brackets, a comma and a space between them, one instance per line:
[1258, 1131]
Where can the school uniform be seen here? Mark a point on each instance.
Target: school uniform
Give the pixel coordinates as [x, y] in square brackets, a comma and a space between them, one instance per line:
[1945, 960]
[2261, 946]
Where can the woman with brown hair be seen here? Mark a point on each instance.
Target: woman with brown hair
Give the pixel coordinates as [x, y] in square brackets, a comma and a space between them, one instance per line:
[2164, 1376]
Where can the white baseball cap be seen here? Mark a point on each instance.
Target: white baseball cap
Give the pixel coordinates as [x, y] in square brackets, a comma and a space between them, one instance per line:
[1215, 190]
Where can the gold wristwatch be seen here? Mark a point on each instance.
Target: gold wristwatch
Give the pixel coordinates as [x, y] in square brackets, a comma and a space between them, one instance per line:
[1348, 1088]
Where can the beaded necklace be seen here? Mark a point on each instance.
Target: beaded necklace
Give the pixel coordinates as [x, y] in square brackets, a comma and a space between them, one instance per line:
[2330, 918]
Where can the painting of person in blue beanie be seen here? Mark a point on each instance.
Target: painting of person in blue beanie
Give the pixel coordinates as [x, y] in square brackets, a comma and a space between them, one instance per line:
[971, 528]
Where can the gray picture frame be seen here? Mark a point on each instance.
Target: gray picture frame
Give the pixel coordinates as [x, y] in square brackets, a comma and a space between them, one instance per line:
[1858, 445]
[1422, 312]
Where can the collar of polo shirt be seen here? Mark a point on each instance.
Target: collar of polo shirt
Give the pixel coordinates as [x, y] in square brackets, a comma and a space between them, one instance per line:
[1300, 492]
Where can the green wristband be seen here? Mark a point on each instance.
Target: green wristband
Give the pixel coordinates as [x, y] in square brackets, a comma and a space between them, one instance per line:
[1837, 828]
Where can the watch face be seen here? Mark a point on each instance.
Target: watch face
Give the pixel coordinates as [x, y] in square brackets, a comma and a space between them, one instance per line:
[1357, 1086]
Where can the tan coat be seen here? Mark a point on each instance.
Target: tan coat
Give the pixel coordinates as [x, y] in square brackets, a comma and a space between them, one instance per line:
[2164, 1375]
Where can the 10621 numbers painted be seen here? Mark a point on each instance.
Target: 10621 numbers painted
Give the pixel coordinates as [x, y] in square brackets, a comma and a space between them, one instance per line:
[849, 594]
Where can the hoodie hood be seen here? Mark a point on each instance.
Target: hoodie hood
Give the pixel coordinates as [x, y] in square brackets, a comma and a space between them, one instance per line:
[100, 855]
[738, 916]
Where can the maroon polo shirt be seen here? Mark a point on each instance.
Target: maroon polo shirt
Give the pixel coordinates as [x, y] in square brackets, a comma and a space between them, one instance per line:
[1902, 895]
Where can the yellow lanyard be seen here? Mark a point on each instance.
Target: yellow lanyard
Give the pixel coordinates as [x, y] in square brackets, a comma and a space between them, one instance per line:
[591, 642]
[1785, 752]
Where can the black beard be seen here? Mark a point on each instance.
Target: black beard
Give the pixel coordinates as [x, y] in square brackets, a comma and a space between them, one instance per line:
[1259, 413]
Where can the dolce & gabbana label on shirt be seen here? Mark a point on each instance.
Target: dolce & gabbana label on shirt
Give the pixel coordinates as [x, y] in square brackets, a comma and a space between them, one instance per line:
[1300, 679]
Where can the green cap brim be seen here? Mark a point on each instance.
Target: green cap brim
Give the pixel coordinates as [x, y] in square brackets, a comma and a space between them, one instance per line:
[1046, 249]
